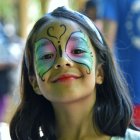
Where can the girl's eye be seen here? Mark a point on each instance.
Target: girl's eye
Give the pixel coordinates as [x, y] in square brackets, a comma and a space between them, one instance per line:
[78, 51]
[47, 56]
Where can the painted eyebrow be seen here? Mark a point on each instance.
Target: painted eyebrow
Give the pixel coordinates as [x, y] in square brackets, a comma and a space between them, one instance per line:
[76, 38]
[42, 42]
[78, 35]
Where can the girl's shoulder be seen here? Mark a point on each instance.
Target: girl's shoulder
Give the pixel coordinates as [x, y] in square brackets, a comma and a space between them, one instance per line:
[130, 135]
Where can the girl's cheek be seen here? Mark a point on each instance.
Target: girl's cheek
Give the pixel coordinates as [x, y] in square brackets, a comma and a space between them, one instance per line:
[43, 66]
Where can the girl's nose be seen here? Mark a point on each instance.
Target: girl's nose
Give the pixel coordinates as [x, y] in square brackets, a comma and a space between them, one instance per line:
[63, 62]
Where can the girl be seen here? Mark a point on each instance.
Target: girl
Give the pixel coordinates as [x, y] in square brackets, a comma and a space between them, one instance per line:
[71, 88]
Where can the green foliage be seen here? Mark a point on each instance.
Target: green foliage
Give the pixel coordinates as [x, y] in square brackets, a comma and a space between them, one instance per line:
[7, 10]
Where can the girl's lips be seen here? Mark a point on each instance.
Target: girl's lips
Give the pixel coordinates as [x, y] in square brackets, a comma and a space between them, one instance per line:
[64, 78]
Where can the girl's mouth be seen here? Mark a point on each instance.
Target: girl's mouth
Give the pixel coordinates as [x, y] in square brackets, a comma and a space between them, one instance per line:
[65, 78]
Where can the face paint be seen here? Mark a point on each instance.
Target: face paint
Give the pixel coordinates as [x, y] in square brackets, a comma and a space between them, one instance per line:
[45, 54]
[51, 33]
[45, 51]
[78, 49]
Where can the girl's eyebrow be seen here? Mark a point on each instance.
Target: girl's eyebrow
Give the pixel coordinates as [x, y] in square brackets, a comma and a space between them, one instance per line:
[41, 42]
[78, 35]
[77, 38]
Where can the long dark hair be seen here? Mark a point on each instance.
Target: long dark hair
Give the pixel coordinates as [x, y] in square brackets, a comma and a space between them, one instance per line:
[35, 120]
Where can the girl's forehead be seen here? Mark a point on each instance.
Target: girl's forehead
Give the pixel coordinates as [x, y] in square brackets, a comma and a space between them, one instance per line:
[58, 28]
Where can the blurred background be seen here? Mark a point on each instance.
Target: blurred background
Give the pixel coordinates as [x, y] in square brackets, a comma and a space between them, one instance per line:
[22, 14]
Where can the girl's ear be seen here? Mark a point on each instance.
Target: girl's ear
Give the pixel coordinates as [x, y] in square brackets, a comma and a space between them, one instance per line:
[34, 84]
[99, 75]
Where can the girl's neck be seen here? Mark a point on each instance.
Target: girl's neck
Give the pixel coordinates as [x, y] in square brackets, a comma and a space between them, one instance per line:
[74, 120]
[74, 111]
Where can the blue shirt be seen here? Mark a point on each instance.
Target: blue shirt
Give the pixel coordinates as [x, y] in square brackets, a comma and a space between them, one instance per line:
[126, 13]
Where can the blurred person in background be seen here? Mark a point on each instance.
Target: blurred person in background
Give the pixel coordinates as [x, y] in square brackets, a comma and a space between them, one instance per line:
[90, 9]
[10, 54]
[121, 26]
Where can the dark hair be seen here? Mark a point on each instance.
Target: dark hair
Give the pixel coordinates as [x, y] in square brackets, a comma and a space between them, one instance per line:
[112, 111]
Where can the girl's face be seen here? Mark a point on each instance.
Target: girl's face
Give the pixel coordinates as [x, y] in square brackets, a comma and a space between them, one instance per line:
[64, 61]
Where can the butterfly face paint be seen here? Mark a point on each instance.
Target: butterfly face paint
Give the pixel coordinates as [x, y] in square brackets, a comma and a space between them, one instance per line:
[45, 56]
[62, 40]
[78, 50]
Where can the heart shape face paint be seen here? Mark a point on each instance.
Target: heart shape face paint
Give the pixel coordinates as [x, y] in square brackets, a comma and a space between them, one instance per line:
[62, 40]
[51, 32]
